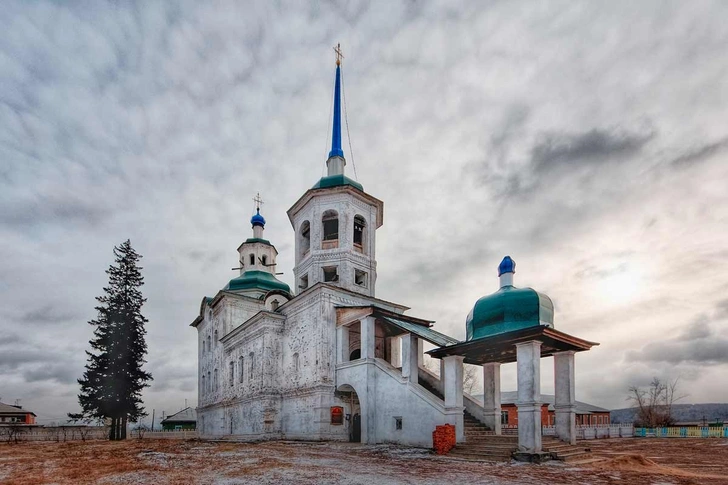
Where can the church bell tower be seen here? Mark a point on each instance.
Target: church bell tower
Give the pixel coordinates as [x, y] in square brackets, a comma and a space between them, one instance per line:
[335, 222]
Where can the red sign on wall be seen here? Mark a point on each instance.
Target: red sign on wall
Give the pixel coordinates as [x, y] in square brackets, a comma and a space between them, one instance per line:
[337, 415]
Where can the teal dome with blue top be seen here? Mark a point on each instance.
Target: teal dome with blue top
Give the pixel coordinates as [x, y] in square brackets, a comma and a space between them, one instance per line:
[509, 308]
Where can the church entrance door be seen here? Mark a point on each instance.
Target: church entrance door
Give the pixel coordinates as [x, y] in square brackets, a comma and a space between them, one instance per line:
[356, 428]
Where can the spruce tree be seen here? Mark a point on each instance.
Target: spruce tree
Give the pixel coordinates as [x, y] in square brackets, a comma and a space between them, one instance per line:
[113, 381]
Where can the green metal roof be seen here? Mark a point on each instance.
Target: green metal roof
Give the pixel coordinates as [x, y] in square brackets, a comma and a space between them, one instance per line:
[509, 309]
[258, 240]
[335, 181]
[256, 280]
[426, 333]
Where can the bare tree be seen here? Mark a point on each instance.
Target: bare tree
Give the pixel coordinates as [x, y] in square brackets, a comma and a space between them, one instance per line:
[654, 404]
[470, 378]
[141, 430]
[12, 432]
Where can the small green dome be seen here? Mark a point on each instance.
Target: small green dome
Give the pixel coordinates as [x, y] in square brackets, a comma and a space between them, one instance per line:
[509, 309]
[256, 280]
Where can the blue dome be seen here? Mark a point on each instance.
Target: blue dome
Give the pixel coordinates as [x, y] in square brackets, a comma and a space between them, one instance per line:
[507, 266]
[257, 219]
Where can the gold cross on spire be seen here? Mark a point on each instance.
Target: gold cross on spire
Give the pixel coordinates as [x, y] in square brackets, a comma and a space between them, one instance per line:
[339, 55]
[258, 201]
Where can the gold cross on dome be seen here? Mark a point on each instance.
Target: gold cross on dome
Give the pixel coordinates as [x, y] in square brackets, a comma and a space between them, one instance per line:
[258, 201]
[339, 55]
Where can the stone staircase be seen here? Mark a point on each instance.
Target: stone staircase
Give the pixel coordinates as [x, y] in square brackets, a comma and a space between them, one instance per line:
[564, 451]
[482, 444]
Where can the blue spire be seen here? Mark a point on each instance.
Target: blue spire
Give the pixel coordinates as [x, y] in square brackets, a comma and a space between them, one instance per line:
[336, 150]
[507, 266]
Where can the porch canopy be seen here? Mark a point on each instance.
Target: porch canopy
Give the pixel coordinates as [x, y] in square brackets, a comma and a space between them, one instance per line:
[394, 323]
[502, 347]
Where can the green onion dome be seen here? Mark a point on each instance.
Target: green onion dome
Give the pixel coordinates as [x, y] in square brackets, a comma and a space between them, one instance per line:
[508, 309]
[256, 280]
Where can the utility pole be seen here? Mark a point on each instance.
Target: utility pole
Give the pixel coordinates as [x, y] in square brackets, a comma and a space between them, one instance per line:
[152, 419]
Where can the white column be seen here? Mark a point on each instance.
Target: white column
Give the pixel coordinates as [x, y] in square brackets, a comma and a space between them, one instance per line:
[409, 357]
[395, 357]
[528, 355]
[453, 391]
[565, 396]
[420, 353]
[367, 338]
[342, 344]
[492, 396]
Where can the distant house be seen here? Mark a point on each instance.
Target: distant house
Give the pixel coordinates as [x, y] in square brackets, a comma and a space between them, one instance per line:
[586, 414]
[10, 414]
[185, 419]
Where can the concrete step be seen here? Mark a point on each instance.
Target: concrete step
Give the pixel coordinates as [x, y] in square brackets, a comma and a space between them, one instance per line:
[507, 450]
[504, 439]
[575, 456]
[556, 448]
[482, 453]
[476, 457]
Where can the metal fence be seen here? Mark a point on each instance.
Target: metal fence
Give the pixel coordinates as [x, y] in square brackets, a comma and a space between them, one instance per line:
[596, 431]
[683, 432]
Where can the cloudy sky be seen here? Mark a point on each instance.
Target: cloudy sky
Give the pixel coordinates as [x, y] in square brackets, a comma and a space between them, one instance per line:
[587, 140]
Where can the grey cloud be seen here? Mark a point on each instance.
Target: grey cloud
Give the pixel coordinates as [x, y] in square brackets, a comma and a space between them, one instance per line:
[48, 314]
[587, 147]
[700, 154]
[58, 372]
[12, 358]
[701, 351]
[593, 271]
[721, 309]
[699, 329]
[58, 209]
[698, 343]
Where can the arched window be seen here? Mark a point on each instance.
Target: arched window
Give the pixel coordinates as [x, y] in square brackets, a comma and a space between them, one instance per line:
[295, 363]
[305, 237]
[264, 260]
[209, 382]
[359, 227]
[242, 369]
[215, 380]
[209, 347]
[216, 338]
[203, 345]
[330, 222]
[252, 364]
[232, 373]
[203, 389]
[252, 259]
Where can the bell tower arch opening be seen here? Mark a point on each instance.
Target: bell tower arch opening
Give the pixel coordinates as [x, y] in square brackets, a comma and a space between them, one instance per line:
[330, 228]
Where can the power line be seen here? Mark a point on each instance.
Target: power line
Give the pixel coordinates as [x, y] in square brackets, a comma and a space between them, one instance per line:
[346, 119]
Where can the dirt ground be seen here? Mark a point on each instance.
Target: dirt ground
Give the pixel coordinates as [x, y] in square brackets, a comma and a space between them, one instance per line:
[624, 461]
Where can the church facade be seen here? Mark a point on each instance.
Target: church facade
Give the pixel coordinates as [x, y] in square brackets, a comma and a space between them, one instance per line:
[328, 360]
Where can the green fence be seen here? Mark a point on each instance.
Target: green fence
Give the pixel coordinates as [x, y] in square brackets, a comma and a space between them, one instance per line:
[683, 432]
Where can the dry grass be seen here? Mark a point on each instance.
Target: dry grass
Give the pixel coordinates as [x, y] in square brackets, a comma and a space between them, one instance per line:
[673, 461]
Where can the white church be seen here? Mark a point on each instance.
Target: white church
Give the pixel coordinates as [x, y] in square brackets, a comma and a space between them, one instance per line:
[327, 360]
